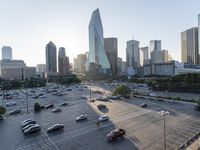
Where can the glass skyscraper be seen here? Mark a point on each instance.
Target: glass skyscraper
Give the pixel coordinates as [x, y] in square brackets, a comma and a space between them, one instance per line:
[97, 55]
[51, 60]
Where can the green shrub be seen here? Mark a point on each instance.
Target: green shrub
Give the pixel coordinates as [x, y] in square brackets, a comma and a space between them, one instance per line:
[37, 107]
[2, 110]
[122, 90]
[177, 98]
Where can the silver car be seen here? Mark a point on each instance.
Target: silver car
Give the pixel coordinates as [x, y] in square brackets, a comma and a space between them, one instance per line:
[32, 129]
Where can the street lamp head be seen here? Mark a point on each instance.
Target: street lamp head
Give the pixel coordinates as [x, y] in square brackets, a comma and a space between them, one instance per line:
[164, 113]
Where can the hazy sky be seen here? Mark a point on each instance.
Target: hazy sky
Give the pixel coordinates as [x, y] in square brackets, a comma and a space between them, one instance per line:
[28, 25]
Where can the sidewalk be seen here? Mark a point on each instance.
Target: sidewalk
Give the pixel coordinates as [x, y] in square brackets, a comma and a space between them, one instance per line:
[195, 145]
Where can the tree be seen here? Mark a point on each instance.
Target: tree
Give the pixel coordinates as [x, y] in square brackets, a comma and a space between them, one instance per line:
[2, 110]
[37, 107]
[122, 90]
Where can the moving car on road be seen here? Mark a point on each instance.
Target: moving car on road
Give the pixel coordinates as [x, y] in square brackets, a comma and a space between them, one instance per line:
[55, 127]
[143, 105]
[81, 117]
[103, 118]
[114, 134]
[32, 129]
[101, 106]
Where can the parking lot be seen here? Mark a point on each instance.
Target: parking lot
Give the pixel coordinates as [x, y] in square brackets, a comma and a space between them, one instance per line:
[76, 135]
[144, 126]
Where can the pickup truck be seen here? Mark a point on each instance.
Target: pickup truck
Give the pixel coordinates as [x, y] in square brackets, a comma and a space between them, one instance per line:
[114, 134]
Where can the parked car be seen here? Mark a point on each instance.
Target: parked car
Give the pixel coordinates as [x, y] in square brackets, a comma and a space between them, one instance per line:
[103, 118]
[27, 120]
[81, 117]
[27, 123]
[114, 134]
[28, 126]
[11, 103]
[1, 117]
[143, 105]
[55, 127]
[101, 106]
[42, 107]
[64, 104]
[15, 111]
[56, 110]
[32, 129]
[113, 97]
[49, 106]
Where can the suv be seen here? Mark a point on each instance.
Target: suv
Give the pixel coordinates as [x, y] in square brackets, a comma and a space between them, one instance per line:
[114, 134]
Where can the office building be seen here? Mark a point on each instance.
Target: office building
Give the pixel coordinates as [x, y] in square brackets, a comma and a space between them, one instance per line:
[16, 70]
[80, 63]
[132, 54]
[144, 55]
[111, 48]
[51, 60]
[189, 46]
[155, 50]
[63, 62]
[6, 52]
[97, 57]
[40, 70]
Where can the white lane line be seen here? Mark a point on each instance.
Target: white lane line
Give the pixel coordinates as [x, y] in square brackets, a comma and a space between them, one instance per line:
[50, 139]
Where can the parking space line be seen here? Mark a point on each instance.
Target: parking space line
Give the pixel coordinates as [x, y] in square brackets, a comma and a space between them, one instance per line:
[50, 140]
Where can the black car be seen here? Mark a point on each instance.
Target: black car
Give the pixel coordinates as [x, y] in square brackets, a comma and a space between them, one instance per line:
[49, 106]
[1, 117]
[55, 127]
[197, 108]
[143, 105]
[101, 106]
[15, 111]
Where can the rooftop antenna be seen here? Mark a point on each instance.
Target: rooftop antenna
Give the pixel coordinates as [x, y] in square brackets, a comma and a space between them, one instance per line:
[133, 36]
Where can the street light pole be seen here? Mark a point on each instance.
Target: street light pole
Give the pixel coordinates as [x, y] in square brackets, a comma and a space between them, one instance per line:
[164, 113]
[26, 97]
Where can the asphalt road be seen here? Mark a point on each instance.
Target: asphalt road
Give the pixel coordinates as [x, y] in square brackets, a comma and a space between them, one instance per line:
[145, 126]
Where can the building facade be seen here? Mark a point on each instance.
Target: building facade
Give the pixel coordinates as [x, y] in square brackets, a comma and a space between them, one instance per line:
[111, 48]
[63, 62]
[51, 59]
[97, 54]
[155, 50]
[189, 46]
[6, 52]
[40, 70]
[132, 54]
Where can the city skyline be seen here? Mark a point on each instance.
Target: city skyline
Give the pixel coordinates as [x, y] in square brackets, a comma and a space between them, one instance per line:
[62, 25]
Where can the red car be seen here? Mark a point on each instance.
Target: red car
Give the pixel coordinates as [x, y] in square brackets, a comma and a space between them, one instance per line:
[114, 134]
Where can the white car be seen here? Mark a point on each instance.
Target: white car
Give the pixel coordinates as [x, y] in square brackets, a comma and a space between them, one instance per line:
[81, 117]
[11, 103]
[103, 118]
[27, 120]
[152, 94]
[56, 110]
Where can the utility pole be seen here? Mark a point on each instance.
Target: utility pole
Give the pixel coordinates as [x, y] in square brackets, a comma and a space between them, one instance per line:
[26, 97]
[164, 113]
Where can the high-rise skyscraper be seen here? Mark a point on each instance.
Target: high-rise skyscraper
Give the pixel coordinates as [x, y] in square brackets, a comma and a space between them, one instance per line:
[132, 54]
[155, 49]
[63, 62]
[189, 46]
[51, 60]
[145, 55]
[111, 48]
[97, 58]
[6, 52]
